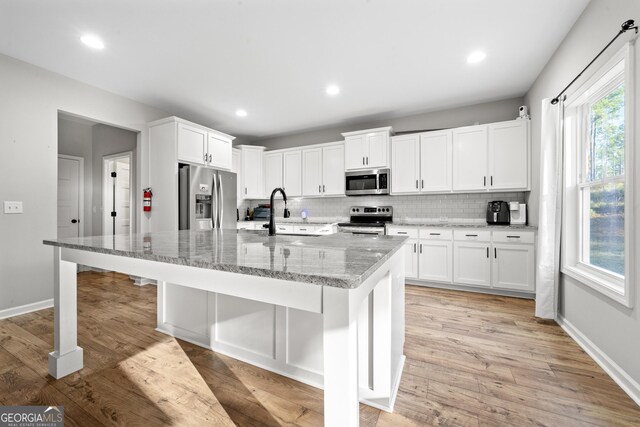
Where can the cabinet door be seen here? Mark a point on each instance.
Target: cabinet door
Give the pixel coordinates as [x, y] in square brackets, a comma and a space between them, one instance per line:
[312, 172]
[411, 259]
[405, 164]
[509, 155]
[332, 167]
[436, 260]
[292, 178]
[436, 161]
[219, 151]
[253, 180]
[378, 150]
[355, 152]
[471, 264]
[272, 172]
[470, 158]
[192, 144]
[237, 168]
[512, 267]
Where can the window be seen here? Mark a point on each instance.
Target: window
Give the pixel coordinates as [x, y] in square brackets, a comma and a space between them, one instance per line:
[597, 167]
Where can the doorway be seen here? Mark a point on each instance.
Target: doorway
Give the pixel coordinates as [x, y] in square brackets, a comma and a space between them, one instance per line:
[117, 194]
[70, 196]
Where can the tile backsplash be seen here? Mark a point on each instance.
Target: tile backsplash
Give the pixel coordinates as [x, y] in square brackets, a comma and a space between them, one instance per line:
[454, 207]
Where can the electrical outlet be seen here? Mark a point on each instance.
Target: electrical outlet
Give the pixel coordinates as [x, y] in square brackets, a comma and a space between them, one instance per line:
[444, 219]
[13, 207]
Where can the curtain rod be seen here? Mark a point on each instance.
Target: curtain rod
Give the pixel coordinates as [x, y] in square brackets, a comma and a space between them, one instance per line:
[626, 26]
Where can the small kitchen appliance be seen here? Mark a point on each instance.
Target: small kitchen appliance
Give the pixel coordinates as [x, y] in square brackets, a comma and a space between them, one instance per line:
[498, 213]
[518, 213]
[367, 182]
[367, 220]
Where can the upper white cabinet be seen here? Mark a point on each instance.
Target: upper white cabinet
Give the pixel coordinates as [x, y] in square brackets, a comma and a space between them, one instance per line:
[252, 174]
[470, 158]
[292, 173]
[421, 162]
[272, 172]
[322, 170]
[509, 155]
[367, 149]
[236, 166]
[493, 157]
[173, 140]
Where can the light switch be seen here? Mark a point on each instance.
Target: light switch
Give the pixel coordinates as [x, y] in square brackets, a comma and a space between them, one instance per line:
[12, 207]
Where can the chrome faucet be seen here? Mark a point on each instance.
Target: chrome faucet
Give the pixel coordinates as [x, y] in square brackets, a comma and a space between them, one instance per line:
[272, 220]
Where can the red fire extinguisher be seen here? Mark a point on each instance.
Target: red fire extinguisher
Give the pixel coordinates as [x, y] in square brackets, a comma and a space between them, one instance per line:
[146, 199]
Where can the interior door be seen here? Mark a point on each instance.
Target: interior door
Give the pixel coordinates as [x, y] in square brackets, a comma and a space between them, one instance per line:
[68, 198]
[123, 196]
[332, 170]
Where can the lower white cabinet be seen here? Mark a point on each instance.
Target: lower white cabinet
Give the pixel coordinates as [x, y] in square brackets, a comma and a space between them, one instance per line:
[471, 264]
[481, 258]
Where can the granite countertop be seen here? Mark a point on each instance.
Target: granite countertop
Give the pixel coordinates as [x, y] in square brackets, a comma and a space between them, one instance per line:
[337, 260]
[418, 223]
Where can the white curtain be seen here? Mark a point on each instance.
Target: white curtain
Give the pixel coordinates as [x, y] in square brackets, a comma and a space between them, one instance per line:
[550, 215]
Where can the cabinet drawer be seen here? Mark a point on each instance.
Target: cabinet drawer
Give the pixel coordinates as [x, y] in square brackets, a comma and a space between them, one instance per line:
[244, 226]
[472, 235]
[282, 228]
[435, 234]
[403, 231]
[526, 237]
[304, 229]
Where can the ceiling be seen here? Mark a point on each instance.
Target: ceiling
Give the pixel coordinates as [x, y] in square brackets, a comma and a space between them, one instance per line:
[274, 58]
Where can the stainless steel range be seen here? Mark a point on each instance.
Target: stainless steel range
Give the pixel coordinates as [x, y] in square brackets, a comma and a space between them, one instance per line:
[369, 220]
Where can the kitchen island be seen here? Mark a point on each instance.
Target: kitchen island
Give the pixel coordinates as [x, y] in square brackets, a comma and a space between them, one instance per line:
[327, 310]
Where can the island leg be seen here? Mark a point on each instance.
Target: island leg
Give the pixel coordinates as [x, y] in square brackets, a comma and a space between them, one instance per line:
[341, 403]
[67, 356]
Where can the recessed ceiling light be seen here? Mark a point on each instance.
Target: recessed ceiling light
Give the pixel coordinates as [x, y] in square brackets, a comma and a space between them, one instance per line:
[475, 57]
[92, 41]
[333, 90]
[241, 113]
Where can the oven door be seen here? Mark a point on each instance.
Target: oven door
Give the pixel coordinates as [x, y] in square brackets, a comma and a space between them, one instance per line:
[362, 183]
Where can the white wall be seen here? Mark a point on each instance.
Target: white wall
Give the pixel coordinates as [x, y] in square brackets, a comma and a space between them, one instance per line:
[109, 140]
[74, 139]
[29, 104]
[463, 116]
[610, 326]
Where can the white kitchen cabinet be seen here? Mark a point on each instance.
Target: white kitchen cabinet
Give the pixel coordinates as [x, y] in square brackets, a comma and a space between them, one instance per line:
[512, 267]
[236, 166]
[312, 172]
[470, 158]
[332, 167]
[508, 155]
[367, 149]
[292, 173]
[252, 171]
[192, 144]
[471, 263]
[436, 161]
[273, 170]
[322, 170]
[219, 151]
[405, 164]
[435, 260]
[411, 259]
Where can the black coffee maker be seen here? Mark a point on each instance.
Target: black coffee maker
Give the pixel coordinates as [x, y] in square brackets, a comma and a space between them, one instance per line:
[498, 213]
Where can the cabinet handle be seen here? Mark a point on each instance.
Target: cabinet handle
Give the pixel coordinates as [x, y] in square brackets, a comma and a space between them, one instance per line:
[487, 252]
[422, 180]
[367, 160]
[434, 234]
[205, 157]
[471, 235]
[485, 181]
[323, 190]
[402, 232]
[420, 247]
[319, 189]
[363, 160]
[495, 253]
[245, 190]
[492, 180]
[414, 248]
[210, 158]
[513, 237]
[416, 183]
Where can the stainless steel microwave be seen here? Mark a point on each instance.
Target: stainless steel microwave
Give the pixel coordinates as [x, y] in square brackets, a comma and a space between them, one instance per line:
[367, 182]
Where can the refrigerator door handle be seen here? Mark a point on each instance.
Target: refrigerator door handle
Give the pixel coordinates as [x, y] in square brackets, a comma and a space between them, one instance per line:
[214, 199]
[220, 199]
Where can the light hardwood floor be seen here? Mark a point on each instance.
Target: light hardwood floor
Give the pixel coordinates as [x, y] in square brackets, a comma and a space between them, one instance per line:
[472, 360]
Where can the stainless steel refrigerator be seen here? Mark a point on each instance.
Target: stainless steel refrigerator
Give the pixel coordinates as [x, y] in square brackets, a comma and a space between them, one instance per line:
[207, 198]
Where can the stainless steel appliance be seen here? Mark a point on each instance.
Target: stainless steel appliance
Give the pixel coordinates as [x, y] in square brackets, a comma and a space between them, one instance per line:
[207, 198]
[368, 220]
[498, 212]
[366, 182]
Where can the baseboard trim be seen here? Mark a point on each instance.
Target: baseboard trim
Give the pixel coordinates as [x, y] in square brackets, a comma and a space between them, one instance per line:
[27, 308]
[624, 380]
[468, 288]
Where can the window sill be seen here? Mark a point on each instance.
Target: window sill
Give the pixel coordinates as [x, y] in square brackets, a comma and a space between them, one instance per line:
[605, 287]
